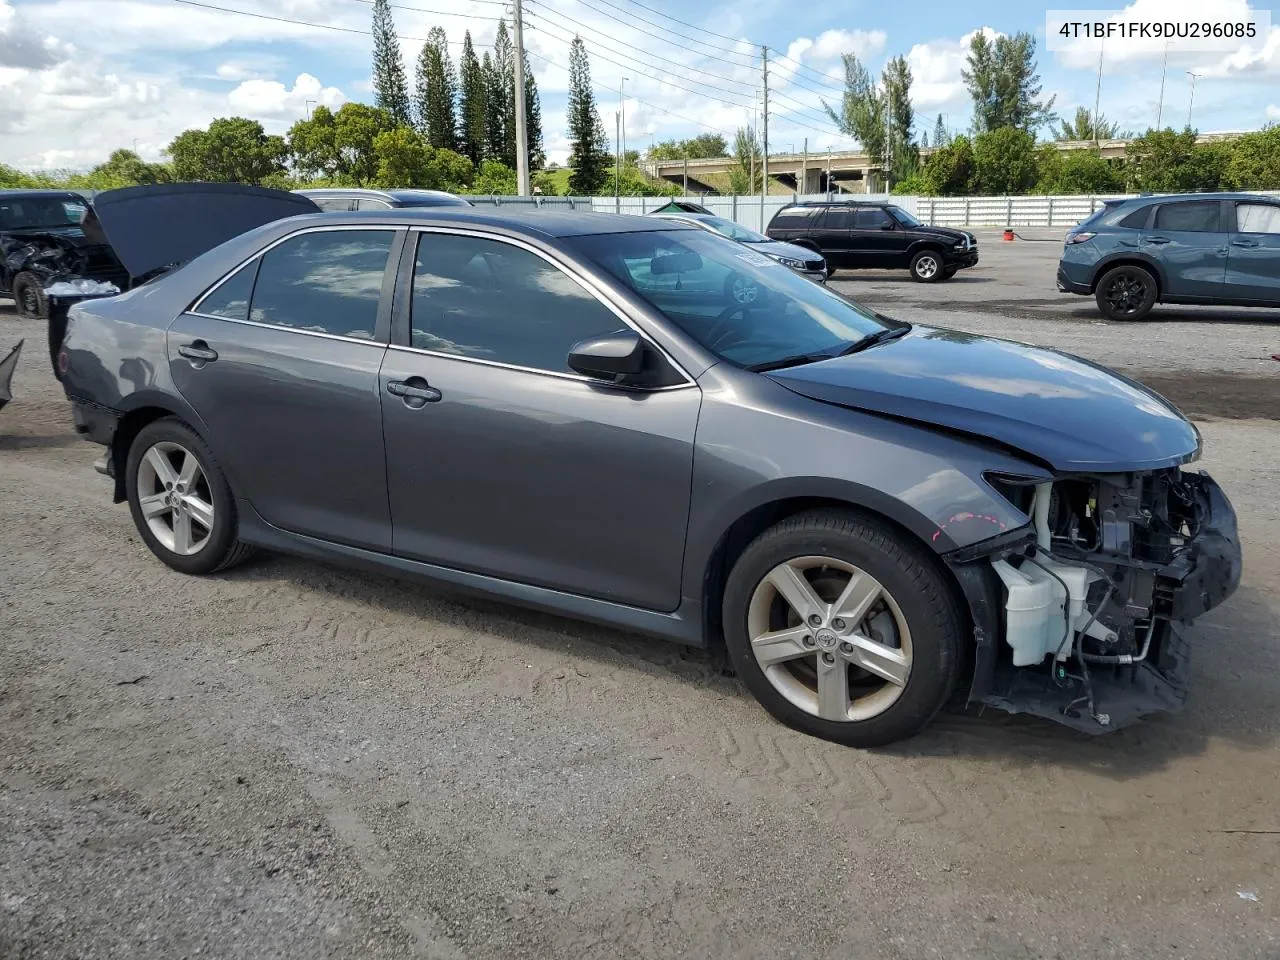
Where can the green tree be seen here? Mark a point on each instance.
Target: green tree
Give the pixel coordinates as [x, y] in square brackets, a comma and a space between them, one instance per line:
[533, 121]
[497, 133]
[949, 171]
[124, 168]
[589, 156]
[436, 90]
[1082, 127]
[495, 179]
[746, 176]
[502, 99]
[231, 150]
[1075, 172]
[903, 155]
[940, 136]
[1162, 161]
[339, 147]
[1255, 161]
[1004, 161]
[390, 86]
[705, 145]
[862, 110]
[405, 159]
[472, 119]
[1002, 80]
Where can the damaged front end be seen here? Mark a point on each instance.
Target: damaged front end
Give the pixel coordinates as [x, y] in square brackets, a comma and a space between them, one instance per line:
[1080, 616]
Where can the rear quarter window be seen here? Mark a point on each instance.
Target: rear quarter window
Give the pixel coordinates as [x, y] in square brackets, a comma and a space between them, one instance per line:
[1136, 220]
[794, 218]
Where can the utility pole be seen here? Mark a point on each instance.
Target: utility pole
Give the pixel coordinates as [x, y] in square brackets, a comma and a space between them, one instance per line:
[1097, 98]
[1190, 102]
[764, 184]
[804, 169]
[828, 173]
[522, 135]
[1163, 64]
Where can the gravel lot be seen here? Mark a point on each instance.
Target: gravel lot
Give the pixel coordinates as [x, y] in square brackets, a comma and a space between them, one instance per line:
[296, 761]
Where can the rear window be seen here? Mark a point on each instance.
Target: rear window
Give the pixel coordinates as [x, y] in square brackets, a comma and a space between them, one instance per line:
[1197, 216]
[794, 218]
[1136, 220]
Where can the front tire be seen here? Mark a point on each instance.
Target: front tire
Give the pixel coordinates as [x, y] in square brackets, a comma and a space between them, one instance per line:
[843, 628]
[29, 298]
[926, 266]
[181, 502]
[1126, 293]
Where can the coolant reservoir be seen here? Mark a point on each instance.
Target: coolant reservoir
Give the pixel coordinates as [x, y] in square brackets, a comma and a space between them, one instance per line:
[1035, 625]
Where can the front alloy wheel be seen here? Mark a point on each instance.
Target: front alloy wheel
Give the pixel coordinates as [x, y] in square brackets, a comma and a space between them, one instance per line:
[926, 266]
[830, 638]
[844, 627]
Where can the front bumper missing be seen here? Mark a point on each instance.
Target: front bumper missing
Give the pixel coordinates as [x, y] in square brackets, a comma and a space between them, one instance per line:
[1200, 578]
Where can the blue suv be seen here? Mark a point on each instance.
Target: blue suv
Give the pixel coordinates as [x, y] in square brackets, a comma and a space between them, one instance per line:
[1207, 248]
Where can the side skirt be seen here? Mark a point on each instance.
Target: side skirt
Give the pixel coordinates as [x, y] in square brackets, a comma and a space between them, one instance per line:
[683, 626]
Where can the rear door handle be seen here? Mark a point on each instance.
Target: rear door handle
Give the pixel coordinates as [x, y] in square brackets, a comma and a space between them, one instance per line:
[199, 352]
[1157, 240]
[415, 392]
[1244, 243]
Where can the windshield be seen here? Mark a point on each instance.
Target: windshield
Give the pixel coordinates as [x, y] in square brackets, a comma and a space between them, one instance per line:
[25, 213]
[904, 218]
[733, 231]
[741, 305]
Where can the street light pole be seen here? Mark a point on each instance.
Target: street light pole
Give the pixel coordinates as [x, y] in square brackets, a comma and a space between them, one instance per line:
[1163, 67]
[522, 136]
[1192, 101]
[622, 111]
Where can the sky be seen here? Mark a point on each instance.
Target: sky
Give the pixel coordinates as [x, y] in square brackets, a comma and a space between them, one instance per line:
[80, 78]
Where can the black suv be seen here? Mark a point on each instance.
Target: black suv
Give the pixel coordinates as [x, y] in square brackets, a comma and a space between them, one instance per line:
[875, 236]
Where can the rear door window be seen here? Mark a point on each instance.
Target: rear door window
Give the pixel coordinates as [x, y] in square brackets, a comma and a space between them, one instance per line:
[1193, 216]
[230, 299]
[840, 218]
[1258, 218]
[324, 281]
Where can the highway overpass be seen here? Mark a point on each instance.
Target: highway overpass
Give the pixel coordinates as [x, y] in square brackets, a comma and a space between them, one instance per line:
[850, 171]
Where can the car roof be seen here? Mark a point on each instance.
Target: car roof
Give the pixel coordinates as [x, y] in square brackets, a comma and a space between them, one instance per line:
[59, 194]
[839, 203]
[344, 192]
[537, 222]
[1167, 197]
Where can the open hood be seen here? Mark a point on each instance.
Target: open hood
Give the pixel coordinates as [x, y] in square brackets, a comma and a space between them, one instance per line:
[1066, 412]
[153, 227]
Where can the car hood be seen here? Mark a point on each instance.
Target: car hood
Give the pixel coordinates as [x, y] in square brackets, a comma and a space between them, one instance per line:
[157, 226]
[776, 248]
[940, 233]
[1065, 411]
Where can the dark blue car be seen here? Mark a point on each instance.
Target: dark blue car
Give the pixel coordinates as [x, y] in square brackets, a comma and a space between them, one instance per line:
[1221, 249]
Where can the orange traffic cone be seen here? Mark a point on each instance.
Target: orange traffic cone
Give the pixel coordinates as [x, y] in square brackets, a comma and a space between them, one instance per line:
[1008, 234]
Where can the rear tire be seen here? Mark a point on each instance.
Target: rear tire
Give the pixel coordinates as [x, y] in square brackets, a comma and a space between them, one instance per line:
[28, 297]
[1126, 293]
[181, 502]
[926, 266]
[881, 655]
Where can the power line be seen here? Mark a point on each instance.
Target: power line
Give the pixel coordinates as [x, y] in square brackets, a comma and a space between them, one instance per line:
[321, 26]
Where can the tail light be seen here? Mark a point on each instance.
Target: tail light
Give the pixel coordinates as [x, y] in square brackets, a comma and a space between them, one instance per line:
[1079, 237]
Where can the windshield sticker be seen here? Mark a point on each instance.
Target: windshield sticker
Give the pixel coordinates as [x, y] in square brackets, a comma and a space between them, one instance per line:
[756, 259]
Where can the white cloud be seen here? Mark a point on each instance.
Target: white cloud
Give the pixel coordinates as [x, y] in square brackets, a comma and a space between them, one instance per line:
[831, 44]
[1261, 58]
[1273, 112]
[271, 98]
[937, 84]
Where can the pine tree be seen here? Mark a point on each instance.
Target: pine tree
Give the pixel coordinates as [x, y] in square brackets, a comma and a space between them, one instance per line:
[471, 104]
[940, 135]
[1004, 85]
[588, 155]
[502, 97]
[904, 157]
[390, 86]
[496, 131]
[437, 89]
[533, 121]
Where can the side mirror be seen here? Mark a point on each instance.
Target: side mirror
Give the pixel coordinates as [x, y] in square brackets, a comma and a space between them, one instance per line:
[886, 224]
[614, 357]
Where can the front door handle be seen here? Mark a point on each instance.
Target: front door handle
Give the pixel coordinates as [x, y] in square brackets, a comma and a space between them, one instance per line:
[1244, 243]
[415, 392]
[199, 353]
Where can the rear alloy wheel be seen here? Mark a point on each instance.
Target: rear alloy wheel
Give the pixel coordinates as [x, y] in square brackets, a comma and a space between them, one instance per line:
[28, 297]
[1126, 293]
[926, 266]
[180, 501]
[843, 629]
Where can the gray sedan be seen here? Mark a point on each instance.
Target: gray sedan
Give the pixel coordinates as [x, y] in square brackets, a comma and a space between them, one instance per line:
[802, 260]
[573, 412]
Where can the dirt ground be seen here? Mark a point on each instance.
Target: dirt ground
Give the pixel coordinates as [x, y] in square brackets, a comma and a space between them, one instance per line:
[296, 761]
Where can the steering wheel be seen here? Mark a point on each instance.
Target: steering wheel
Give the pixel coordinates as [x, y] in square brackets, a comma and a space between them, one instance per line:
[720, 326]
